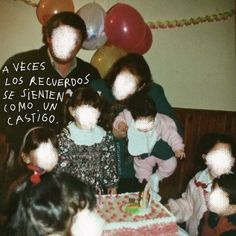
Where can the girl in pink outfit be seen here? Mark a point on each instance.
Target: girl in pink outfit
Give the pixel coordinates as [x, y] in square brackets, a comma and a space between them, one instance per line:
[217, 152]
[144, 127]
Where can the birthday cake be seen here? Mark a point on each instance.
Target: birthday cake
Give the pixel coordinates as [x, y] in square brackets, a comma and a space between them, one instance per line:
[125, 217]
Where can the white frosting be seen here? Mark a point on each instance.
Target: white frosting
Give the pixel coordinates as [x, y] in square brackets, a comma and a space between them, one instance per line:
[138, 224]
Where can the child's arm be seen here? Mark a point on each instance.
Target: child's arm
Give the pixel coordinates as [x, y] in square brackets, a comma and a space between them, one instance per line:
[112, 190]
[171, 136]
[180, 154]
[182, 208]
[163, 106]
[109, 168]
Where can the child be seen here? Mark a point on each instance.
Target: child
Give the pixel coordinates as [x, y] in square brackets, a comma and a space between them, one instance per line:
[217, 150]
[38, 154]
[221, 217]
[145, 127]
[85, 149]
[48, 207]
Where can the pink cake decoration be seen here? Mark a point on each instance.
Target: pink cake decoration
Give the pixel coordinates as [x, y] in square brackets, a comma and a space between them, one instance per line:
[125, 217]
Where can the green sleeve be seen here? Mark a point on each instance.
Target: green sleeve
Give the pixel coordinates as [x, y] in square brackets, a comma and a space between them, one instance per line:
[100, 86]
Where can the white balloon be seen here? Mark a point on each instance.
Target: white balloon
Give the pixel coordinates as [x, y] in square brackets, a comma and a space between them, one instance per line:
[94, 17]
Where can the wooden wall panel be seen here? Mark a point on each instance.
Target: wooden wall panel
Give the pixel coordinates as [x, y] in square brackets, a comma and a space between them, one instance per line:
[195, 123]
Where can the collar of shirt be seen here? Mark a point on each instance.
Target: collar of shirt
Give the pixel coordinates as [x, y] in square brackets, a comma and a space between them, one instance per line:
[204, 180]
[72, 67]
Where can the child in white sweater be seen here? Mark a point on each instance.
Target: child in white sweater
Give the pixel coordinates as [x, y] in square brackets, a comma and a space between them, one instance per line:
[217, 152]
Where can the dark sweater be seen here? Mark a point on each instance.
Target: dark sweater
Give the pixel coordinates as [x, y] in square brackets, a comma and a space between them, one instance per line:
[31, 92]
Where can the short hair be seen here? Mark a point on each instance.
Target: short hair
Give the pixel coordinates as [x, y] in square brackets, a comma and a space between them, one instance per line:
[141, 105]
[83, 95]
[37, 135]
[86, 95]
[65, 18]
[134, 63]
[227, 184]
[208, 141]
[47, 207]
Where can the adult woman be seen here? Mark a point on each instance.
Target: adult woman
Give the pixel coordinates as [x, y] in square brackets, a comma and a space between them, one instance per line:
[128, 76]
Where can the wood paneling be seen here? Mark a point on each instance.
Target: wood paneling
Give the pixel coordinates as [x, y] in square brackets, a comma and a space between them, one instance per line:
[195, 123]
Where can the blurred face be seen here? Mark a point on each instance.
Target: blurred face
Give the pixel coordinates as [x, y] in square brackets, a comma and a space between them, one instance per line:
[145, 124]
[87, 222]
[45, 156]
[86, 117]
[219, 160]
[124, 85]
[218, 200]
[64, 43]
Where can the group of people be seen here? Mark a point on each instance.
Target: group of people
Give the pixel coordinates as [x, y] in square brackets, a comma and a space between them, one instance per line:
[199, 201]
[73, 134]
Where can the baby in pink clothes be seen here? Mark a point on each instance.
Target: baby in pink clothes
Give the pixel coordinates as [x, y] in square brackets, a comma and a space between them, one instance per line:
[143, 127]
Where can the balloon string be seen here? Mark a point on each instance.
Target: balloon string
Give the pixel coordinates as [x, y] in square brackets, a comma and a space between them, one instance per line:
[29, 2]
[174, 23]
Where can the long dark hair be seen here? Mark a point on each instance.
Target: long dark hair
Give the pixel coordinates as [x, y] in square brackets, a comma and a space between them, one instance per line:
[135, 64]
[64, 18]
[47, 207]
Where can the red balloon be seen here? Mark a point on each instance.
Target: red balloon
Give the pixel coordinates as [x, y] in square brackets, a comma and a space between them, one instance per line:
[144, 45]
[47, 8]
[124, 26]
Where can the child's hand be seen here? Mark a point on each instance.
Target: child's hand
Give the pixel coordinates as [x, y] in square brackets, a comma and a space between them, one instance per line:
[112, 190]
[121, 132]
[180, 154]
[167, 207]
